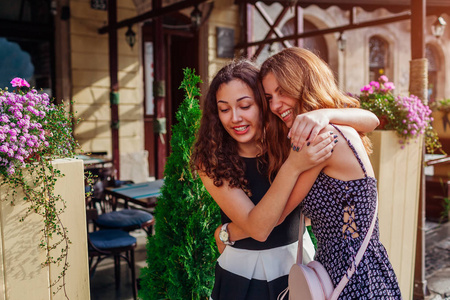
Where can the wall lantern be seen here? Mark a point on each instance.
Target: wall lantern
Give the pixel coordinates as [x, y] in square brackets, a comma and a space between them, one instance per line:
[438, 27]
[130, 36]
[196, 17]
[342, 42]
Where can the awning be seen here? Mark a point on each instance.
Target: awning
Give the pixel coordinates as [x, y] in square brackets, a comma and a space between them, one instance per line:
[433, 6]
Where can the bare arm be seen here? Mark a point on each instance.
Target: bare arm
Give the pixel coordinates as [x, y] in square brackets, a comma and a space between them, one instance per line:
[301, 189]
[299, 192]
[307, 125]
[258, 221]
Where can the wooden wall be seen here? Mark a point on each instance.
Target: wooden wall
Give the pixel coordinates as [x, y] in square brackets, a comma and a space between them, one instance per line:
[90, 79]
[225, 14]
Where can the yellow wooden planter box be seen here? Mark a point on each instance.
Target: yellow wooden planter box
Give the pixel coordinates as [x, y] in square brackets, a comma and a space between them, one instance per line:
[21, 274]
[398, 174]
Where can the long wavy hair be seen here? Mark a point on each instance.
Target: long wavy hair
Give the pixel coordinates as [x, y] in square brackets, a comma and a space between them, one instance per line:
[304, 76]
[215, 151]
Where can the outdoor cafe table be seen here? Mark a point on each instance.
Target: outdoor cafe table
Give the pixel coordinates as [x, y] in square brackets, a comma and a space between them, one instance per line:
[94, 163]
[143, 194]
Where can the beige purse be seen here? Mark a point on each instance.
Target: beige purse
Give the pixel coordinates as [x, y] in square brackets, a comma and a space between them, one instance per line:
[312, 281]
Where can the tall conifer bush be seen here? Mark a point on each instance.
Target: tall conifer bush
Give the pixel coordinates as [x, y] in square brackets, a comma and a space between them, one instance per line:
[181, 254]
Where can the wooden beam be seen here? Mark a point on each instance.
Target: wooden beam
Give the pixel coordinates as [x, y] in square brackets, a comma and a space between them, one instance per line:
[401, 17]
[299, 25]
[273, 24]
[159, 59]
[394, 6]
[418, 87]
[114, 85]
[31, 31]
[243, 11]
[418, 23]
[155, 12]
[273, 27]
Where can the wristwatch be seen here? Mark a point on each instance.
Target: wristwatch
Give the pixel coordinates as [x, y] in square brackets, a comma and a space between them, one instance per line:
[224, 236]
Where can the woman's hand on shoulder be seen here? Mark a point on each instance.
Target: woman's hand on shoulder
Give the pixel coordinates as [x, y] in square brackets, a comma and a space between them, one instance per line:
[307, 126]
[314, 152]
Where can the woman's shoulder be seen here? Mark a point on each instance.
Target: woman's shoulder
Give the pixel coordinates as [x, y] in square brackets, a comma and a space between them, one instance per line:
[344, 135]
[346, 131]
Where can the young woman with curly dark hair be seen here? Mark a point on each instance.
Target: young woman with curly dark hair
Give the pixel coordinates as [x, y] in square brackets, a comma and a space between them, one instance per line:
[231, 157]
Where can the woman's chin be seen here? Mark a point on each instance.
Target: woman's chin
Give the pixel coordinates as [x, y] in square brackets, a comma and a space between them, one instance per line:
[288, 123]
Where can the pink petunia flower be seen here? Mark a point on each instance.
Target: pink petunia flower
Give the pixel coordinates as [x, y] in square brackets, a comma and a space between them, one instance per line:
[19, 82]
[383, 78]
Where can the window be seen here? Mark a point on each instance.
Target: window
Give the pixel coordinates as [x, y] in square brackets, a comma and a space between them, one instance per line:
[378, 57]
[433, 69]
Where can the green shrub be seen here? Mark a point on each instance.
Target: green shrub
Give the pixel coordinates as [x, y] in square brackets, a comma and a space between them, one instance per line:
[181, 254]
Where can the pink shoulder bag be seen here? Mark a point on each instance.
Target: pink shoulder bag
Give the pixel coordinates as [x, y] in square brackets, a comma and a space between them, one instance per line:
[311, 281]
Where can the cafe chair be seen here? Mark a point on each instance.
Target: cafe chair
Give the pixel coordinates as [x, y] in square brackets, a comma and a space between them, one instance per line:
[110, 218]
[127, 220]
[111, 242]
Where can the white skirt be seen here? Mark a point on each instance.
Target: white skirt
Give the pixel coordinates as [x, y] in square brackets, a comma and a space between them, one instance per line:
[269, 266]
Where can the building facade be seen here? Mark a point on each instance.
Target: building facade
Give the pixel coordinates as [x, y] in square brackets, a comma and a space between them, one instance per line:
[72, 59]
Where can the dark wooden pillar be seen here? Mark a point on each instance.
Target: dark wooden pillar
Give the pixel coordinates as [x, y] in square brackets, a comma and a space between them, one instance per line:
[159, 91]
[418, 11]
[418, 86]
[249, 29]
[243, 10]
[114, 83]
[299, 25]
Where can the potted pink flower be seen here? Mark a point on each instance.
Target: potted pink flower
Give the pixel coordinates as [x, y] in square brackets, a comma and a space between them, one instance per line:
[33, 132]
[407, 115]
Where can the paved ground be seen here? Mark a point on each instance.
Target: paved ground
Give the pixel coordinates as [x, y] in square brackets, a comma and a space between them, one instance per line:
[437, 260]
[437, 263]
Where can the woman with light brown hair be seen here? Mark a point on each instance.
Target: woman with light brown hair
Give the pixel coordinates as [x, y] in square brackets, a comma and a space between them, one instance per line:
[340, 194]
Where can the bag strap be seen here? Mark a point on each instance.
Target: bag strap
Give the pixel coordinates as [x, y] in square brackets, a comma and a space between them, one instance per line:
[337, 291]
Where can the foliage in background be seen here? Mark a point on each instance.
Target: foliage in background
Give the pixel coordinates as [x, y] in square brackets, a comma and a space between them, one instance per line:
[407, 115]
[313, 237]
[446, 206]
[33, 132]
[443, 106]
[181, 255]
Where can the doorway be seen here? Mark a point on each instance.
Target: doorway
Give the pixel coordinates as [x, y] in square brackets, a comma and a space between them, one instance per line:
[181, 51]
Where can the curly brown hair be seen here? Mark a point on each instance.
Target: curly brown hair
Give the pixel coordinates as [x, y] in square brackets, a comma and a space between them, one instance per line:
[215, 152]
[304, 76]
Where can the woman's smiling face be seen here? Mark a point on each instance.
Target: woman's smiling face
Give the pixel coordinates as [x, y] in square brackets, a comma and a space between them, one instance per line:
[280, 104]
[239, 114]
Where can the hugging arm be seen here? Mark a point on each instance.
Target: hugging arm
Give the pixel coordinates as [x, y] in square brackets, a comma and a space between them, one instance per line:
[304, 183]
[299, 192]
[307, 125]
[258, 221]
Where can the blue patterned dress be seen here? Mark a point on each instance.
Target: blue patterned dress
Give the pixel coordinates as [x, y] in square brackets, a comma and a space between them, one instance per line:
[326, 204]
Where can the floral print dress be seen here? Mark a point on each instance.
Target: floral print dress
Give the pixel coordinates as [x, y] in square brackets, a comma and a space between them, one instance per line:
[339, 238]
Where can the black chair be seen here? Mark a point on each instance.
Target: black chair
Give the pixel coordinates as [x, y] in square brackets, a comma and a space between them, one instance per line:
[127, 220]
[111, 242]
[110, 218]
